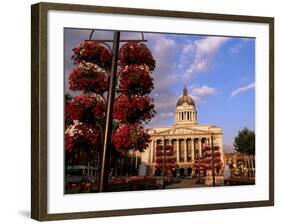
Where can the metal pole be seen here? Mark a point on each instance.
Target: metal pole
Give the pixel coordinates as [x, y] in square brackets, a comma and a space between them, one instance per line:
[213, 162]
[108, 122]
[164, 160]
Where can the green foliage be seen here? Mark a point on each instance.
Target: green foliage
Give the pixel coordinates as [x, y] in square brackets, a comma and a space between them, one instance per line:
[67, 97]
[244, 142]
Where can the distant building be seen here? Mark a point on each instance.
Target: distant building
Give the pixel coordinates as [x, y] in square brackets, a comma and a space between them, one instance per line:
[240, 164]
[187, 137]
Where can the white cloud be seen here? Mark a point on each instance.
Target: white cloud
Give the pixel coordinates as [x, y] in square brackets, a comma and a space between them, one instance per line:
[201, 52]
[209, 45]
[236, 48]
[203, 91]
[242, 89]
[160, 117]
[164, 51]
[165, 107]
[199, 94]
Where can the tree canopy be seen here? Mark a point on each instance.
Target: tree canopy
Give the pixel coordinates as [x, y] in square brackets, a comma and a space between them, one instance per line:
[244, 142]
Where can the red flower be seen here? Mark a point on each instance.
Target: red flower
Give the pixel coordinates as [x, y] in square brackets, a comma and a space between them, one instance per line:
[135, 79]
[136, 53]
[82, 136]
[86, 108]
[170, 159]
[92, 51]
[89, 79]
[133, 108]
[130, 136]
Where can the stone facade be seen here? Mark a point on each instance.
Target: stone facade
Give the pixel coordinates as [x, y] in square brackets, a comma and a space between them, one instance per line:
[186, 135]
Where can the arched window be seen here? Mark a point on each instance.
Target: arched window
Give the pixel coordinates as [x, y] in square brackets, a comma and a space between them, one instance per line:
[188, 115]
[182, 116]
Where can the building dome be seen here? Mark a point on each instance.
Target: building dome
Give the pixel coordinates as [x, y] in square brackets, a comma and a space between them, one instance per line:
[185, 98]
[186, 112]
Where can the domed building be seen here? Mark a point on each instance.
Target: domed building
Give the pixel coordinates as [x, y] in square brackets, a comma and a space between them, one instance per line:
[186, 135]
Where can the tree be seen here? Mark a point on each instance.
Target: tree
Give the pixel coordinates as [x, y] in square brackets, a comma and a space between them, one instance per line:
[244, 142]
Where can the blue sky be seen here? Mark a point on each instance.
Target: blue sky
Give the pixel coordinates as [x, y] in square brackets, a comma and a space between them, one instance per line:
[219, 73]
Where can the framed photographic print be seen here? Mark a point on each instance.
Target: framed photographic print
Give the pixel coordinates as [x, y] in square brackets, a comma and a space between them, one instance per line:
[138, 111]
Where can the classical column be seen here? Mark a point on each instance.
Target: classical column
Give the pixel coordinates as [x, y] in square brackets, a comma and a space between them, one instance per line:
[154, 154]
[136, 154]
[200, 146]
[252, 164]
[185, 150]
[192, 149]
[178, 150]
[151, 151]
[169, 142]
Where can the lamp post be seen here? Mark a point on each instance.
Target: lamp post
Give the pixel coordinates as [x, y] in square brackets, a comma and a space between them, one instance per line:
[213, 160]
[164, 161]
[108, 122]
[105, 154]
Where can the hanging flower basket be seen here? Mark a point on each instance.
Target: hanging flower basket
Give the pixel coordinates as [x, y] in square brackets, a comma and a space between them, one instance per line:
[88, 79]
[136, 79]
[133, 109]
[84, 136]
[136, 53]
[170, 153]
[94, 52]
[130, 136]
[217, 154]
[86, 108]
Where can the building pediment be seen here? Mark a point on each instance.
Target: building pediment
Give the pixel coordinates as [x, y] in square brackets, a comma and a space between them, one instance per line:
[186, 131]
[183, 131]
[179, 130]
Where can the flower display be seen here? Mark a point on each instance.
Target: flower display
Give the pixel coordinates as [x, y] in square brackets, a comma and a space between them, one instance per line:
[136, 79]
[137, 54]
[94, 52]
[82, 136]
[208, 158]
[130, 136]
[87, 108]
[85, 113]
[132, 182]
[168, 160]
[81, 187]
[200, 166]
[88, 79]
[165, 159]
[133, 109]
